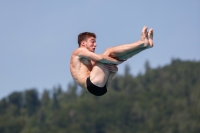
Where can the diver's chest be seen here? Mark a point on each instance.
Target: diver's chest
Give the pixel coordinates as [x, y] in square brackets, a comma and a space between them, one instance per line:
[87, 63]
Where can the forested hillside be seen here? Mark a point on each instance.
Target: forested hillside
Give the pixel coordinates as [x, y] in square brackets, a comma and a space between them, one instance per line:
[162, 100]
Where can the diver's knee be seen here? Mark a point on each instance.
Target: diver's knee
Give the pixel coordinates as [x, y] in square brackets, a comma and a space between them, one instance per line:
[107, 51]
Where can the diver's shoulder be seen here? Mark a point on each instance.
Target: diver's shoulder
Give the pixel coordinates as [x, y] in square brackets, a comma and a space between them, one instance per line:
[78, 50]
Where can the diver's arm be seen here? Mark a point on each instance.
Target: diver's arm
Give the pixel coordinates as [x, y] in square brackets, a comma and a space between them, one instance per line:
[82, 52]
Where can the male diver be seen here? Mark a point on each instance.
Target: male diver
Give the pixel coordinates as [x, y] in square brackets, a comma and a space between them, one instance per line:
[93, 72]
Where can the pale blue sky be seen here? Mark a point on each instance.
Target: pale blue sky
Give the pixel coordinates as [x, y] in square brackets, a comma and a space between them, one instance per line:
[38, 37]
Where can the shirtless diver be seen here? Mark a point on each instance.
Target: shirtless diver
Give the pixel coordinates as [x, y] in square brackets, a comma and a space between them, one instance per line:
[93, 72]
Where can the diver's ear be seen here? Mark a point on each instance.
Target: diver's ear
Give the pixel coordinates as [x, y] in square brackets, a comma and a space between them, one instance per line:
[83, 43]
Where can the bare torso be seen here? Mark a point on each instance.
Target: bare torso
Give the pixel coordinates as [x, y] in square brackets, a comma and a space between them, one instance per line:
[82, 68]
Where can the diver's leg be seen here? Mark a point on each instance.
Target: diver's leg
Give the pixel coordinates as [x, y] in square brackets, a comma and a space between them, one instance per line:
[121, 50]
[99, 74]
[110, 78]
[134, 52]
[130, 54]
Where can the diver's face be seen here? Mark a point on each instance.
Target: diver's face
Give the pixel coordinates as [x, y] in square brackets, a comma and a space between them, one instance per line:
[90, 44]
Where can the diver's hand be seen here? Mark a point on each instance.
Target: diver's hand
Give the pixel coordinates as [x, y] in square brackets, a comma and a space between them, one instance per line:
[111, 67]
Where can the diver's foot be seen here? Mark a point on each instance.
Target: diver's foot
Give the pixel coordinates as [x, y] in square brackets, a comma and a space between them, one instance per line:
[144, 36]
[150, 37]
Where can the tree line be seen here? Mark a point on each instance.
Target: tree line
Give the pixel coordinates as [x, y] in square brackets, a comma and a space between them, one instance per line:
[164, 99]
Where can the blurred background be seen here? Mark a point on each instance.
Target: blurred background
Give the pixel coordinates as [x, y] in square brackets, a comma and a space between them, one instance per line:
[36, 42]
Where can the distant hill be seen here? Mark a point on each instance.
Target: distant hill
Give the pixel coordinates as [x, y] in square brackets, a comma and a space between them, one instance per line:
[162, 100]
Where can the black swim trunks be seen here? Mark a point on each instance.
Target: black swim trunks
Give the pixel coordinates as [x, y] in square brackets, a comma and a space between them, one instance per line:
[95, 90]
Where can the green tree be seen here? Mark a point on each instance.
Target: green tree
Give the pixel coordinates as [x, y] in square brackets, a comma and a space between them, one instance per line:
[45, 98]
[16, 99]
[31, 101]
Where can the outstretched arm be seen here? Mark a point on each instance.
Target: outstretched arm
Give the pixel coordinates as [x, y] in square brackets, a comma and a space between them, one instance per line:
[82, 52]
